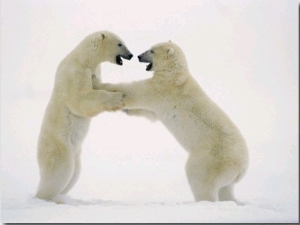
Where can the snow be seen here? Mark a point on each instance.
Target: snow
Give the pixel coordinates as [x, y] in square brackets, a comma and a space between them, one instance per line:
[243, 53]
[19, 206]
[263, 211]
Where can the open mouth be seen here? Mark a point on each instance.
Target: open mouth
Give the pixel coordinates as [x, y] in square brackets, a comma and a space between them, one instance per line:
[142, 60]
[119, 58]
[149, 67]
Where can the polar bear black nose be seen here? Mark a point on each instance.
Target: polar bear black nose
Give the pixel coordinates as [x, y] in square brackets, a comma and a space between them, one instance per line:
[139, 57]
[130, 56]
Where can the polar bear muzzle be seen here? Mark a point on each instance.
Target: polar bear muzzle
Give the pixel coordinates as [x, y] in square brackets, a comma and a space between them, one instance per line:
[143, 58]
[119, 58]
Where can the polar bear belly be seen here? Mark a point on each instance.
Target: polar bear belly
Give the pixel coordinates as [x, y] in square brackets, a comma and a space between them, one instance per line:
[76, 130]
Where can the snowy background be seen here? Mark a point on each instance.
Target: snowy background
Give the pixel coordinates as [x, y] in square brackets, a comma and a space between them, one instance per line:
[244, 54]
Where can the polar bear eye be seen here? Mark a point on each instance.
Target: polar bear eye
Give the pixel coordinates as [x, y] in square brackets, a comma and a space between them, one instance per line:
[152, 51]
[120, 45]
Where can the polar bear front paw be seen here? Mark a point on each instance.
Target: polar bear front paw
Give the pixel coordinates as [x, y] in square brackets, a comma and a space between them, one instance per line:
[116, 101]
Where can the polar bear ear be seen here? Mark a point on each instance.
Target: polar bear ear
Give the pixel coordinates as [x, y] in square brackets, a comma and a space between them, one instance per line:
[170, 51]
[170, 41]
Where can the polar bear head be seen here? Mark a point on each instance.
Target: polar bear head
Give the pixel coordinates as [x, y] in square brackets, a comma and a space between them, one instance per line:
[104, 46]
[165, 56]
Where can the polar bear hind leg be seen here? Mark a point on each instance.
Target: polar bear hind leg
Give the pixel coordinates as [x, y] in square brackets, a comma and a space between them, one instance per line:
[203, 186]
[76, 173]
[56, 173]
[209, 179]
[226, 193]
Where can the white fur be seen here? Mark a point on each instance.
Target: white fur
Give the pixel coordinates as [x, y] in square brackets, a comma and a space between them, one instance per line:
[72, 105]
[218, 156]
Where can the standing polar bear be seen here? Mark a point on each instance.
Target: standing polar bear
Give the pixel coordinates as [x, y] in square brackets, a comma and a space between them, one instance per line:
[72, 105]
[218, 156]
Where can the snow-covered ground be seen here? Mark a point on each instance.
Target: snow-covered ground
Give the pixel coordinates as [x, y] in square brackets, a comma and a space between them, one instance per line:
[23, 208]
[243, 53]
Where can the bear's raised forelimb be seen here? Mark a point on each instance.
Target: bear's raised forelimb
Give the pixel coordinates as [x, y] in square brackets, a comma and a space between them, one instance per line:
[92, 102]
[137, 94]
[150, 115]
[142, 113]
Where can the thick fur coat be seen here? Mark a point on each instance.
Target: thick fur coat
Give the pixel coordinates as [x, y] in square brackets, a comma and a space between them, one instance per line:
[72, 105]
[218, 156]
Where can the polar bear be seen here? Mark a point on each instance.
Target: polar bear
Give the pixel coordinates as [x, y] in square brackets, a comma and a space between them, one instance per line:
[218, 155]
[72, 105]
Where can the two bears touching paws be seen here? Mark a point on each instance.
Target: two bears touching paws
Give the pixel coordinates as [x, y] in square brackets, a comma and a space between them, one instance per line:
[218, 155]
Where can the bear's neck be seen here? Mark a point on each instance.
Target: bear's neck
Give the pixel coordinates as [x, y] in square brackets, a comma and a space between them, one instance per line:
[86, 59]
[176, 78]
